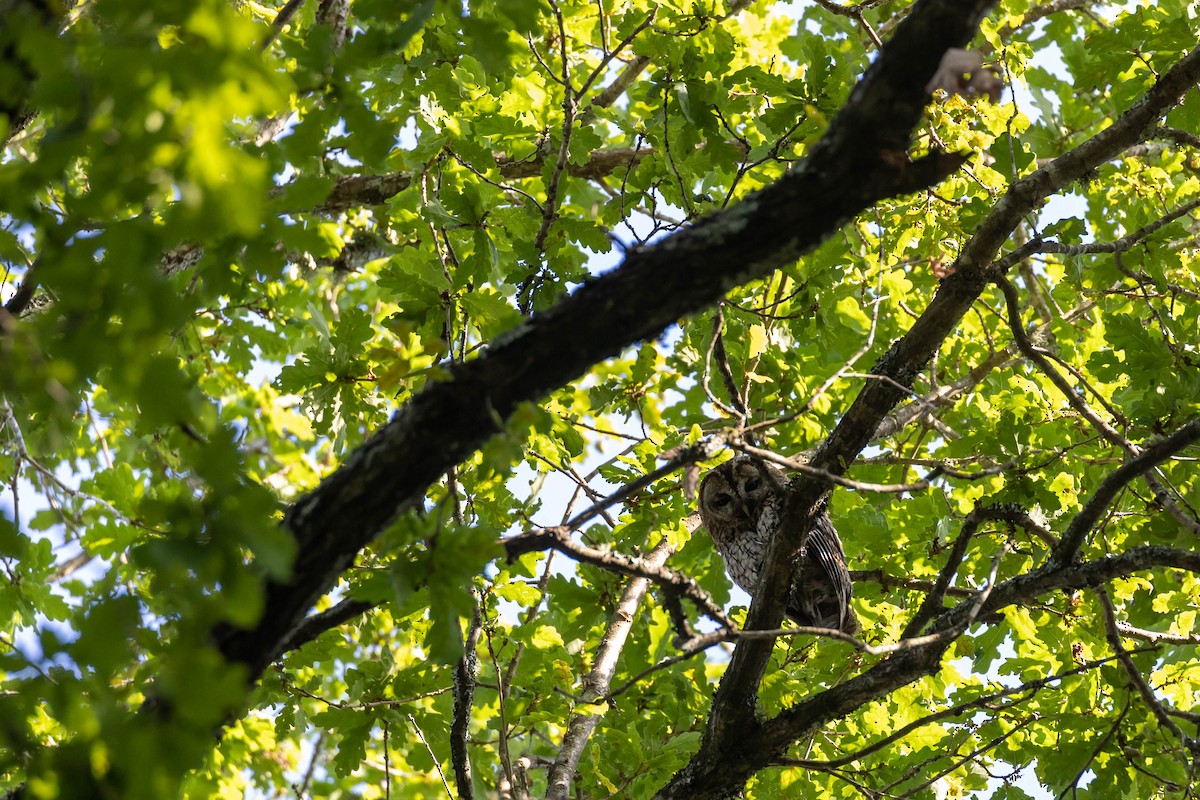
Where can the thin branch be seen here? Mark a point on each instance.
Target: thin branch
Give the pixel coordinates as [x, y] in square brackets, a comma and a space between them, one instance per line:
[1020, 693]
[974, 754]
[1092, 511]
[931, 606]
[70, 567]
[1046, 9]
[620, 563]
[366, 704]
[854, 12]
[1038, 357]
[8, 421]
[693, 648]
[318, 746]
[437, 764]
[1112, 633]
[1155, 637]
[570, 106]
[314, 625]
[1029, 278]
[280, 22]
[831, 477]
[581, 487]
[598, 681]
[887, 582]
[1087, 765]
[1177, 136]
[464, 696]
[637, 66]
[841, 372]
[506, 785]
[1117, 245]
[716, 352]
[1040, 360]
[687, 455]
[608, 57]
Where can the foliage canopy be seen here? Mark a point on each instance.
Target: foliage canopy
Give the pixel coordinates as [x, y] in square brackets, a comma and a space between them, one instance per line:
[357, 362]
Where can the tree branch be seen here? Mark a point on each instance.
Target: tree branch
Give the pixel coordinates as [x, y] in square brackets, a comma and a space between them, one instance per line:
[314, 625]
[280, 22]
[1154, 637]
[847, 171]
[1092, 511]
[1040, 359]
[767, 742]
[598, 681]
[724, 758]
[1020, 694]
[932, 605]
[559, 539]
[464, 698]
[1113, 634]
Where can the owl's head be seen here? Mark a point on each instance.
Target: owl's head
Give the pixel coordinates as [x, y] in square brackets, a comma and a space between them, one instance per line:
[736, 491]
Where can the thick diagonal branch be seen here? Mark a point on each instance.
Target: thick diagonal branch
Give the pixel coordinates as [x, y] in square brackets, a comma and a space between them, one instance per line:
[853, 166]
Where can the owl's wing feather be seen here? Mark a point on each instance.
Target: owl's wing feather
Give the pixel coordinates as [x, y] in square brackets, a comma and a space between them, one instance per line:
[826, 546]
[821, 585]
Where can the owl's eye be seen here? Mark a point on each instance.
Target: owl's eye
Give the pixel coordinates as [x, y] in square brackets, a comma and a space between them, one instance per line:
[722, 500]
[753, 484]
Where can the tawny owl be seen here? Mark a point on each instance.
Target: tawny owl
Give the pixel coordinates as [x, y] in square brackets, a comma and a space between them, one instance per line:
[741, 509]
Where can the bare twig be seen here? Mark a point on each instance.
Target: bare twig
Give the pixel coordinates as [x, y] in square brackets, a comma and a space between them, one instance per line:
[834, 478]
[1071, 787]
[317, 751]
[507, 787]
[437, 764]
[1154, 637]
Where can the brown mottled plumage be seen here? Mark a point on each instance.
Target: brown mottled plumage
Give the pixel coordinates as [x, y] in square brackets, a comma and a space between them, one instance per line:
[741, 510]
